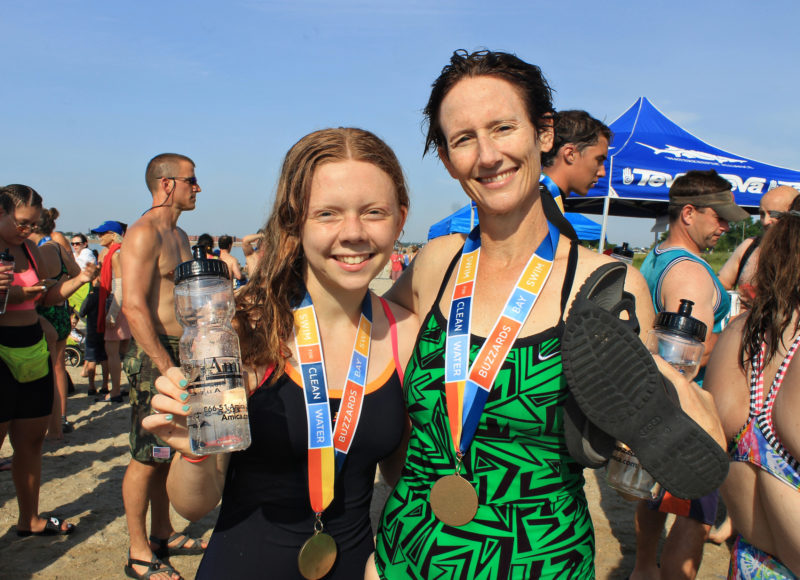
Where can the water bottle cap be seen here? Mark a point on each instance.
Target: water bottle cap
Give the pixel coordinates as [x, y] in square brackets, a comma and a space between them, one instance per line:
[200, 266]
[682, 323]
[6, 256]
[623, 251]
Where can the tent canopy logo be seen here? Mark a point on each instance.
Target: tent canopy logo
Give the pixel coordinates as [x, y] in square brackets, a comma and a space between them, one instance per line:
[679, 153]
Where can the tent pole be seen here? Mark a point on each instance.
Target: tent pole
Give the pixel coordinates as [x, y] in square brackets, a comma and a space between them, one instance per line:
[604, 228]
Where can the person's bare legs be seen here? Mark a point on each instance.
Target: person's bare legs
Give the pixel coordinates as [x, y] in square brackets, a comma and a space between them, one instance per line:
[683, 549]
[143, 483]
[91, 375]
[114, 366]
[89, 371]
[60, 379]
[51, 337]
[27, 437]
[649, 525]
[104, 373]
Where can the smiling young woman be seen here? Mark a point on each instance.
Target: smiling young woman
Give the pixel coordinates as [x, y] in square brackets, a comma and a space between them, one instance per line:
[310, 331]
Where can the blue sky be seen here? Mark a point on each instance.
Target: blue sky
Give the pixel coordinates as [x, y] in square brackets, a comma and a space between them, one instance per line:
[94, 89]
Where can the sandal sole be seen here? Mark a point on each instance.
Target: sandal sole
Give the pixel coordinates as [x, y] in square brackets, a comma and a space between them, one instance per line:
[629, 401]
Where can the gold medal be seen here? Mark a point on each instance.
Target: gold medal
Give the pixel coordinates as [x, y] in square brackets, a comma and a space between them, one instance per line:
[317, 556]
[454, 501]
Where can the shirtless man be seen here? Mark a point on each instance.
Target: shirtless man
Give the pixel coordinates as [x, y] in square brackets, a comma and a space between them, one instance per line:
[151, 250]
[740, 269]
[234, 270]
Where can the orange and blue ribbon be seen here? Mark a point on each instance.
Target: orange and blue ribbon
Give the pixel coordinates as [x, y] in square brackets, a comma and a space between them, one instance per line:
[467, 386]
[328, 448]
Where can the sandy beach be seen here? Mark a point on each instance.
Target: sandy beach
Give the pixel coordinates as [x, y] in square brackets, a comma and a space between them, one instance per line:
[82, 479]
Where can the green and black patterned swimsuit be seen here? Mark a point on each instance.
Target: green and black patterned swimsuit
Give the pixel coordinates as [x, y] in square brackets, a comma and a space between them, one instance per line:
[532, 520]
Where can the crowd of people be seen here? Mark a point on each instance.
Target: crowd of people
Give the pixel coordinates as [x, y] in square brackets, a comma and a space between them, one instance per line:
[497, 368]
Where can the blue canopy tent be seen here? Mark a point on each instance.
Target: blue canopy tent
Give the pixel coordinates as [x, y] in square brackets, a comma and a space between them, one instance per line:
[647, 153]
[463, 220]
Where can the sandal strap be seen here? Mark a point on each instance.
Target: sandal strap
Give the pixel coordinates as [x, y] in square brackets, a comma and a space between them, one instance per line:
[182, 542]
[154, 564]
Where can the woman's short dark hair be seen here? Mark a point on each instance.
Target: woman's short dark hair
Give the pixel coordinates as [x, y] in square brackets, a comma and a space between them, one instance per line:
[526, 78]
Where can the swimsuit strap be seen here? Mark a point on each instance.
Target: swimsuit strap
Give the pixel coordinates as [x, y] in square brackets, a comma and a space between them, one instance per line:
[29, 255]
[393, 332]
[566, 285]
[569, 277]
[778, 380]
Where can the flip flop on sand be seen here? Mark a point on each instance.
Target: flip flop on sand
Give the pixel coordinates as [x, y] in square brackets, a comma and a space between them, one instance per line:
[51, 528]
[5, 464]
[617, 385]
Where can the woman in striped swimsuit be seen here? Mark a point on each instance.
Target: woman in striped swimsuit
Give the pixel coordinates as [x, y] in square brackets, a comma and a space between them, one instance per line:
[756, 386]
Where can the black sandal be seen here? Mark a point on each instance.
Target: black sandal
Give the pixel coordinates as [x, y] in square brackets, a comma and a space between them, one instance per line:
[154, 566]
[52, 527]
[164, 550]
[616, 383]
[589, 446]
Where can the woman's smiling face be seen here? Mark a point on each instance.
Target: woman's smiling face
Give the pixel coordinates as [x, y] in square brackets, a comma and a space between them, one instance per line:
[492, 147]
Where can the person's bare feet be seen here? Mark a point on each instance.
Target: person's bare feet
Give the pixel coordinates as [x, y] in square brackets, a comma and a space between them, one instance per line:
[722, 533]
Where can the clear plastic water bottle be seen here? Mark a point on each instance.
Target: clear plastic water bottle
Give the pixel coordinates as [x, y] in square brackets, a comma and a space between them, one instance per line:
[6, 259]
[210, 357]
[678, 339]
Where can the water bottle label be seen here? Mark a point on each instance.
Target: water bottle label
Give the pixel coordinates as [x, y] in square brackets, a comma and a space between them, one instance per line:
[218, 400]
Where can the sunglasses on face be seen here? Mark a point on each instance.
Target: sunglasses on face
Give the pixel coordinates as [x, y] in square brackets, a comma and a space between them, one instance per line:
[190, 180]
[774, 214]
[77, 243]
[22, 228]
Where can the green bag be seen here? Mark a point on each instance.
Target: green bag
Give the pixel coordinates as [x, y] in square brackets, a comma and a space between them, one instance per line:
[27, 363]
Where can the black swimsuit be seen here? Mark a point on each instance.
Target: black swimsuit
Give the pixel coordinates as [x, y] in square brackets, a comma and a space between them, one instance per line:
[266, 516]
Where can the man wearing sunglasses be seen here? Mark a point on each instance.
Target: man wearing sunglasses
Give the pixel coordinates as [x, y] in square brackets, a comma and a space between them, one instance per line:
[152, 249]
[739, 271]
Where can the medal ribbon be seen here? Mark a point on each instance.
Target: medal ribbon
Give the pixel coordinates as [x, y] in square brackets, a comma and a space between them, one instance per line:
[554, 190]
[328, 448]
[467, 387]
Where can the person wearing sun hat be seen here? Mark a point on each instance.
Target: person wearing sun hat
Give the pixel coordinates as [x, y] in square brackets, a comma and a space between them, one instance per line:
[111, 322]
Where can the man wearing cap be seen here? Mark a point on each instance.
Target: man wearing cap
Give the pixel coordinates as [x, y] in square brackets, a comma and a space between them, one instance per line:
[701, 205]
[111, 322]
[153, 248]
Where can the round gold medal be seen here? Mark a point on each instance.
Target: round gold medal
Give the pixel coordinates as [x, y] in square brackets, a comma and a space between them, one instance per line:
[317, 556]
[454, 500]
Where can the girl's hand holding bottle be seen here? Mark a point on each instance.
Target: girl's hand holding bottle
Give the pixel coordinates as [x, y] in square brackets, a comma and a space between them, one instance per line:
[169, 420]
